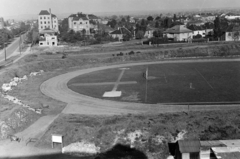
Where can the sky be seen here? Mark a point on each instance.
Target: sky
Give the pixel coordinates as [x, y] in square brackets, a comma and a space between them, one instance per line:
[21, 7]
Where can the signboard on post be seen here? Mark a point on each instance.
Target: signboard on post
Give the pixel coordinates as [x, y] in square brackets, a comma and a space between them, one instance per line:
[56, 138]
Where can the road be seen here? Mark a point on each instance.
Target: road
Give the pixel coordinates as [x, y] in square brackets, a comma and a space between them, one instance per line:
[11, 48]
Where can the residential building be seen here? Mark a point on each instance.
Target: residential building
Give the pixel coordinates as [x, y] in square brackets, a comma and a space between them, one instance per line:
[80, 22]
[232, 33]
[197, 30]
[47, 37]
[132, 20]
[47, 20]
[179, 33]
[120, 32]
[209, 28]
[1, 23]
[195, 22]
[208, 18]
[149, 32]
[231, 16]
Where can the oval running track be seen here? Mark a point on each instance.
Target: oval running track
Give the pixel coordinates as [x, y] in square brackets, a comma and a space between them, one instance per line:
[56, 88]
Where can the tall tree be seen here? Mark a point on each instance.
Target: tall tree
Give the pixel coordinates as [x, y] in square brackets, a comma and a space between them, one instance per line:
[174, 18]
[150, 18]
[217, 27]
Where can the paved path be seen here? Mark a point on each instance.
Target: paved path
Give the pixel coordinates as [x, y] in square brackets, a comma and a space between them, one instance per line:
[37, 129]
[56, 88]
[12, 48]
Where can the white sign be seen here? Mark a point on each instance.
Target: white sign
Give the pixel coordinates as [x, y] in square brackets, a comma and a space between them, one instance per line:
[57, 138]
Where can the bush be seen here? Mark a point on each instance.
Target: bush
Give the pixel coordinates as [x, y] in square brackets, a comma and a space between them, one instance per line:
[49, 53]
[64, 56]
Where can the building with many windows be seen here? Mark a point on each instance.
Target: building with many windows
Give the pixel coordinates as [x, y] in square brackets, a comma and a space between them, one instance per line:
[48, 28]
[47, 20]
[83, 22]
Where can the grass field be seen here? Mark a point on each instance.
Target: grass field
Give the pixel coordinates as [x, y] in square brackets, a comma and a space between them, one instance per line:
[168, 83]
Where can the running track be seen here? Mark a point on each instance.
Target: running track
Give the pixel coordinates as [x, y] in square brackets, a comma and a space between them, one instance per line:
[56, 88]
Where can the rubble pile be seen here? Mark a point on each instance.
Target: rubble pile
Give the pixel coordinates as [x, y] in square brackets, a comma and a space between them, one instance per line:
[6, 87]
[81, 147]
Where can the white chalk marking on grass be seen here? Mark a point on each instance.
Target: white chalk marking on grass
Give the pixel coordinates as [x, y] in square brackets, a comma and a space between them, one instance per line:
[165, 78]
[118, 80]
[204, 79]
[114, 92]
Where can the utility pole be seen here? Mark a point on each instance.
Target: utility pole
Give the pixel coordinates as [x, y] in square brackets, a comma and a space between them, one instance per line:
[20, 43]
[5, 51]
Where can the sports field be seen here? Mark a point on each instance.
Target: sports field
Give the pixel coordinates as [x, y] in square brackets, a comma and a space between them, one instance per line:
[167, 83]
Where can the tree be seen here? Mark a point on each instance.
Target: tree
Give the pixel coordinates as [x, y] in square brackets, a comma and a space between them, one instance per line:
[157, 25]
[150, 18]
[123, 20]
[83, 32]
[174, 17]
[112, 23]
[217, 28]
[236, 35]
[167, 22]
[139, 34]
[158, 18]
[158, 33]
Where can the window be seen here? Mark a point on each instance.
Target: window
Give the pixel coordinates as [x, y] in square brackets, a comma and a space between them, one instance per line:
[48, 17]
[80, 22]
[44, 17]
[45, 26]
[86, 22]
[45, 23]
[55, 21]
[74, 23]
[41, 43]
[48, 22]
[41, 27]
[53, 37]
[40, 22]
[229, 34]
[40, 17]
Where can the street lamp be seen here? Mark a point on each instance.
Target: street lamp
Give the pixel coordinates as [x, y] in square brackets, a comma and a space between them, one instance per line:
[20, 41]
[5, 51]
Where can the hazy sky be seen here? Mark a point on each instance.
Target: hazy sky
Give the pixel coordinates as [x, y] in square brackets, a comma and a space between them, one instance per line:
[19, 7]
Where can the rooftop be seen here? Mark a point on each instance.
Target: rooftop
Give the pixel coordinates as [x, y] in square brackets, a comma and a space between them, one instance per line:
[187, 146]
[178, 29]
[44, 12]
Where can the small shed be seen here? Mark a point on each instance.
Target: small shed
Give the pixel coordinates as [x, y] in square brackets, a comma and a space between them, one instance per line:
[187, 149]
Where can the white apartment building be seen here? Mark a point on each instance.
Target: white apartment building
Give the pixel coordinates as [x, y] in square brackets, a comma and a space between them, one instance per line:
[80, 22]
[47, 20]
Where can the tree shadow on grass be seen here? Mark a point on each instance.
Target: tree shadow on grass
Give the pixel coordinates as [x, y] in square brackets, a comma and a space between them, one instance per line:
[119, 151]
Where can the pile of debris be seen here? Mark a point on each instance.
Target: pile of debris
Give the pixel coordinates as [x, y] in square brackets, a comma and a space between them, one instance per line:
[6, 87]
[82, 147]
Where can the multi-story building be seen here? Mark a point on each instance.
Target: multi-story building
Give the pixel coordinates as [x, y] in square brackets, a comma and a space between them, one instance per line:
[48, 28]
[1, 23]
[47, 20]
[80, 22]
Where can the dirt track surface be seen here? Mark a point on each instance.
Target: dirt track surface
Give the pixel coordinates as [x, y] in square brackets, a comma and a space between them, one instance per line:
[56, 88]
